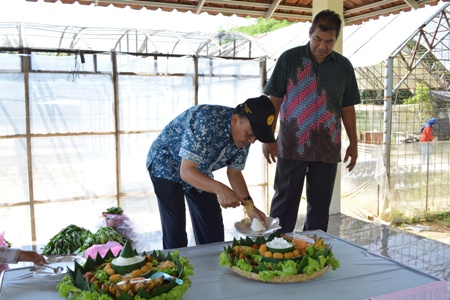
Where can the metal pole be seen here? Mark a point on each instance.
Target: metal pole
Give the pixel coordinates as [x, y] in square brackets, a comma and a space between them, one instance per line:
[195, 58]
[388, 84]
[26, 67]
[115, 82]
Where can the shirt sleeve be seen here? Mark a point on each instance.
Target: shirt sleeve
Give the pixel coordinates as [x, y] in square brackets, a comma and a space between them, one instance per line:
[9, 255]
[351, 94]
[239, 159]
[278, 81]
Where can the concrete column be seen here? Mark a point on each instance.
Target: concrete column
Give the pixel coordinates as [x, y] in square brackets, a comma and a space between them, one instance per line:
[338, 7]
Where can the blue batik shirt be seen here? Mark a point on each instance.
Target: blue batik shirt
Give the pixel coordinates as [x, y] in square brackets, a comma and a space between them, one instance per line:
[200, 134]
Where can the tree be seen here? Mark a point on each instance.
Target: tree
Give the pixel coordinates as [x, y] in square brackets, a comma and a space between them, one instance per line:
[422, 98]
[262, 26]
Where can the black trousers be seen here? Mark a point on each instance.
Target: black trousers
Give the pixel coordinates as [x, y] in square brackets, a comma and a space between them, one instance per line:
[205, 211]
[289, 179]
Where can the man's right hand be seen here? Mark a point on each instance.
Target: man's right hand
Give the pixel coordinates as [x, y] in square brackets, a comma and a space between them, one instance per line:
[228, 198]
[270, 152]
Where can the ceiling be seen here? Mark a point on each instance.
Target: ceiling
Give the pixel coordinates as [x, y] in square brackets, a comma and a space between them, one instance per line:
[355, 11]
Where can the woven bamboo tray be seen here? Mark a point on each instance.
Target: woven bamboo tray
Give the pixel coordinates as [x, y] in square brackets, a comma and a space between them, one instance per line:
[279, 279]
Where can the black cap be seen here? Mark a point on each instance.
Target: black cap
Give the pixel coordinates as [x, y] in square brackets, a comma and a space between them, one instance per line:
[261, 114]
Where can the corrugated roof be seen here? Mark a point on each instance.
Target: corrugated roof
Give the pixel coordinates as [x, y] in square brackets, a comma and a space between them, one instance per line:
[355, 11]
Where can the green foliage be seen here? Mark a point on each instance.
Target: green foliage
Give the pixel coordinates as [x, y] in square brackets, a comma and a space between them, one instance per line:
[440, 217]
[262, 26]
[421, 95]
[423, 99]
[372, 97]
[402, 95]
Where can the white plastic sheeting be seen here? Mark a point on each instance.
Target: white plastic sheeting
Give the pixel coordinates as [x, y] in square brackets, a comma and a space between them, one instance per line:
[373, 42]
[73, 167]
[365, 190]
[366, 44]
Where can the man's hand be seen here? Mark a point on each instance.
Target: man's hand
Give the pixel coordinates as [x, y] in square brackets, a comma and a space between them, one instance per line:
[270, 152]
[228, 198]
[32, 256]
[352, 151]
[256, 213]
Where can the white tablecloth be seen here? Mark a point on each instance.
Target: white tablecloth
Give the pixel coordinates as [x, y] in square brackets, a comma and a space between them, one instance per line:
[362, 275]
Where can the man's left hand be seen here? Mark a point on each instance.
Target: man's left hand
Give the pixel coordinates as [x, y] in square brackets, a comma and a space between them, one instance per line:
[352, 151]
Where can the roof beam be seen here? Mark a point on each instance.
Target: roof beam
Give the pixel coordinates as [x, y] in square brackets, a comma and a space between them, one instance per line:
[374, 14]
[301, 18]
[376, 5]
[367, 7]
[199, 7]
[262, 5]
[412, 3]
[272, 9]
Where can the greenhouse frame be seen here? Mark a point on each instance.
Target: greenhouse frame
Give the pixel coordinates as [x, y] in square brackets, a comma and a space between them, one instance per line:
[80, 107]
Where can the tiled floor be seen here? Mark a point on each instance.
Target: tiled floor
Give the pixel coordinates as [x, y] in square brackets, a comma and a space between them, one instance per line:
[417, 252]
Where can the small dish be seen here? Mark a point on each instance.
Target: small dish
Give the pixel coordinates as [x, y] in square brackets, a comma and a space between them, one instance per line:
[271, 224]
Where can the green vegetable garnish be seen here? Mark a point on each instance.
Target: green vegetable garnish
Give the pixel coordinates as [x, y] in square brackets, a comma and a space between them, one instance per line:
[316, 258]
[67, 241]
[115, 210]
[243, 265]
[68, 290]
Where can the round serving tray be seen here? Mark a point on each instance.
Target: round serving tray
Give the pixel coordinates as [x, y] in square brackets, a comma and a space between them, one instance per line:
[279, 279]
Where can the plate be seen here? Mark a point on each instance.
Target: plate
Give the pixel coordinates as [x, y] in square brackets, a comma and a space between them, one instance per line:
[271, 224]
[46, 274]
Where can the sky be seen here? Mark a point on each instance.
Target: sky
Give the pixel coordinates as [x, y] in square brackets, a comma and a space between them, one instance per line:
[91, 16]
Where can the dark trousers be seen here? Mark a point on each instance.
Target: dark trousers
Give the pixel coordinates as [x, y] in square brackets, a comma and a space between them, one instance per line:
[205, 211]
[289, 179]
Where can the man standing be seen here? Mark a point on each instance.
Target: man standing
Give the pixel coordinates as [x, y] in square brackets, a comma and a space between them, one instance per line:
[312, 88]
[182, 159]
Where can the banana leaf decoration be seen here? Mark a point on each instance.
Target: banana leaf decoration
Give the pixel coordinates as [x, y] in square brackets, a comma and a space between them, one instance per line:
[91, 264]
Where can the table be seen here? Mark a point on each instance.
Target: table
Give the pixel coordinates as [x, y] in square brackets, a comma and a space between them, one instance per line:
[362, 275]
